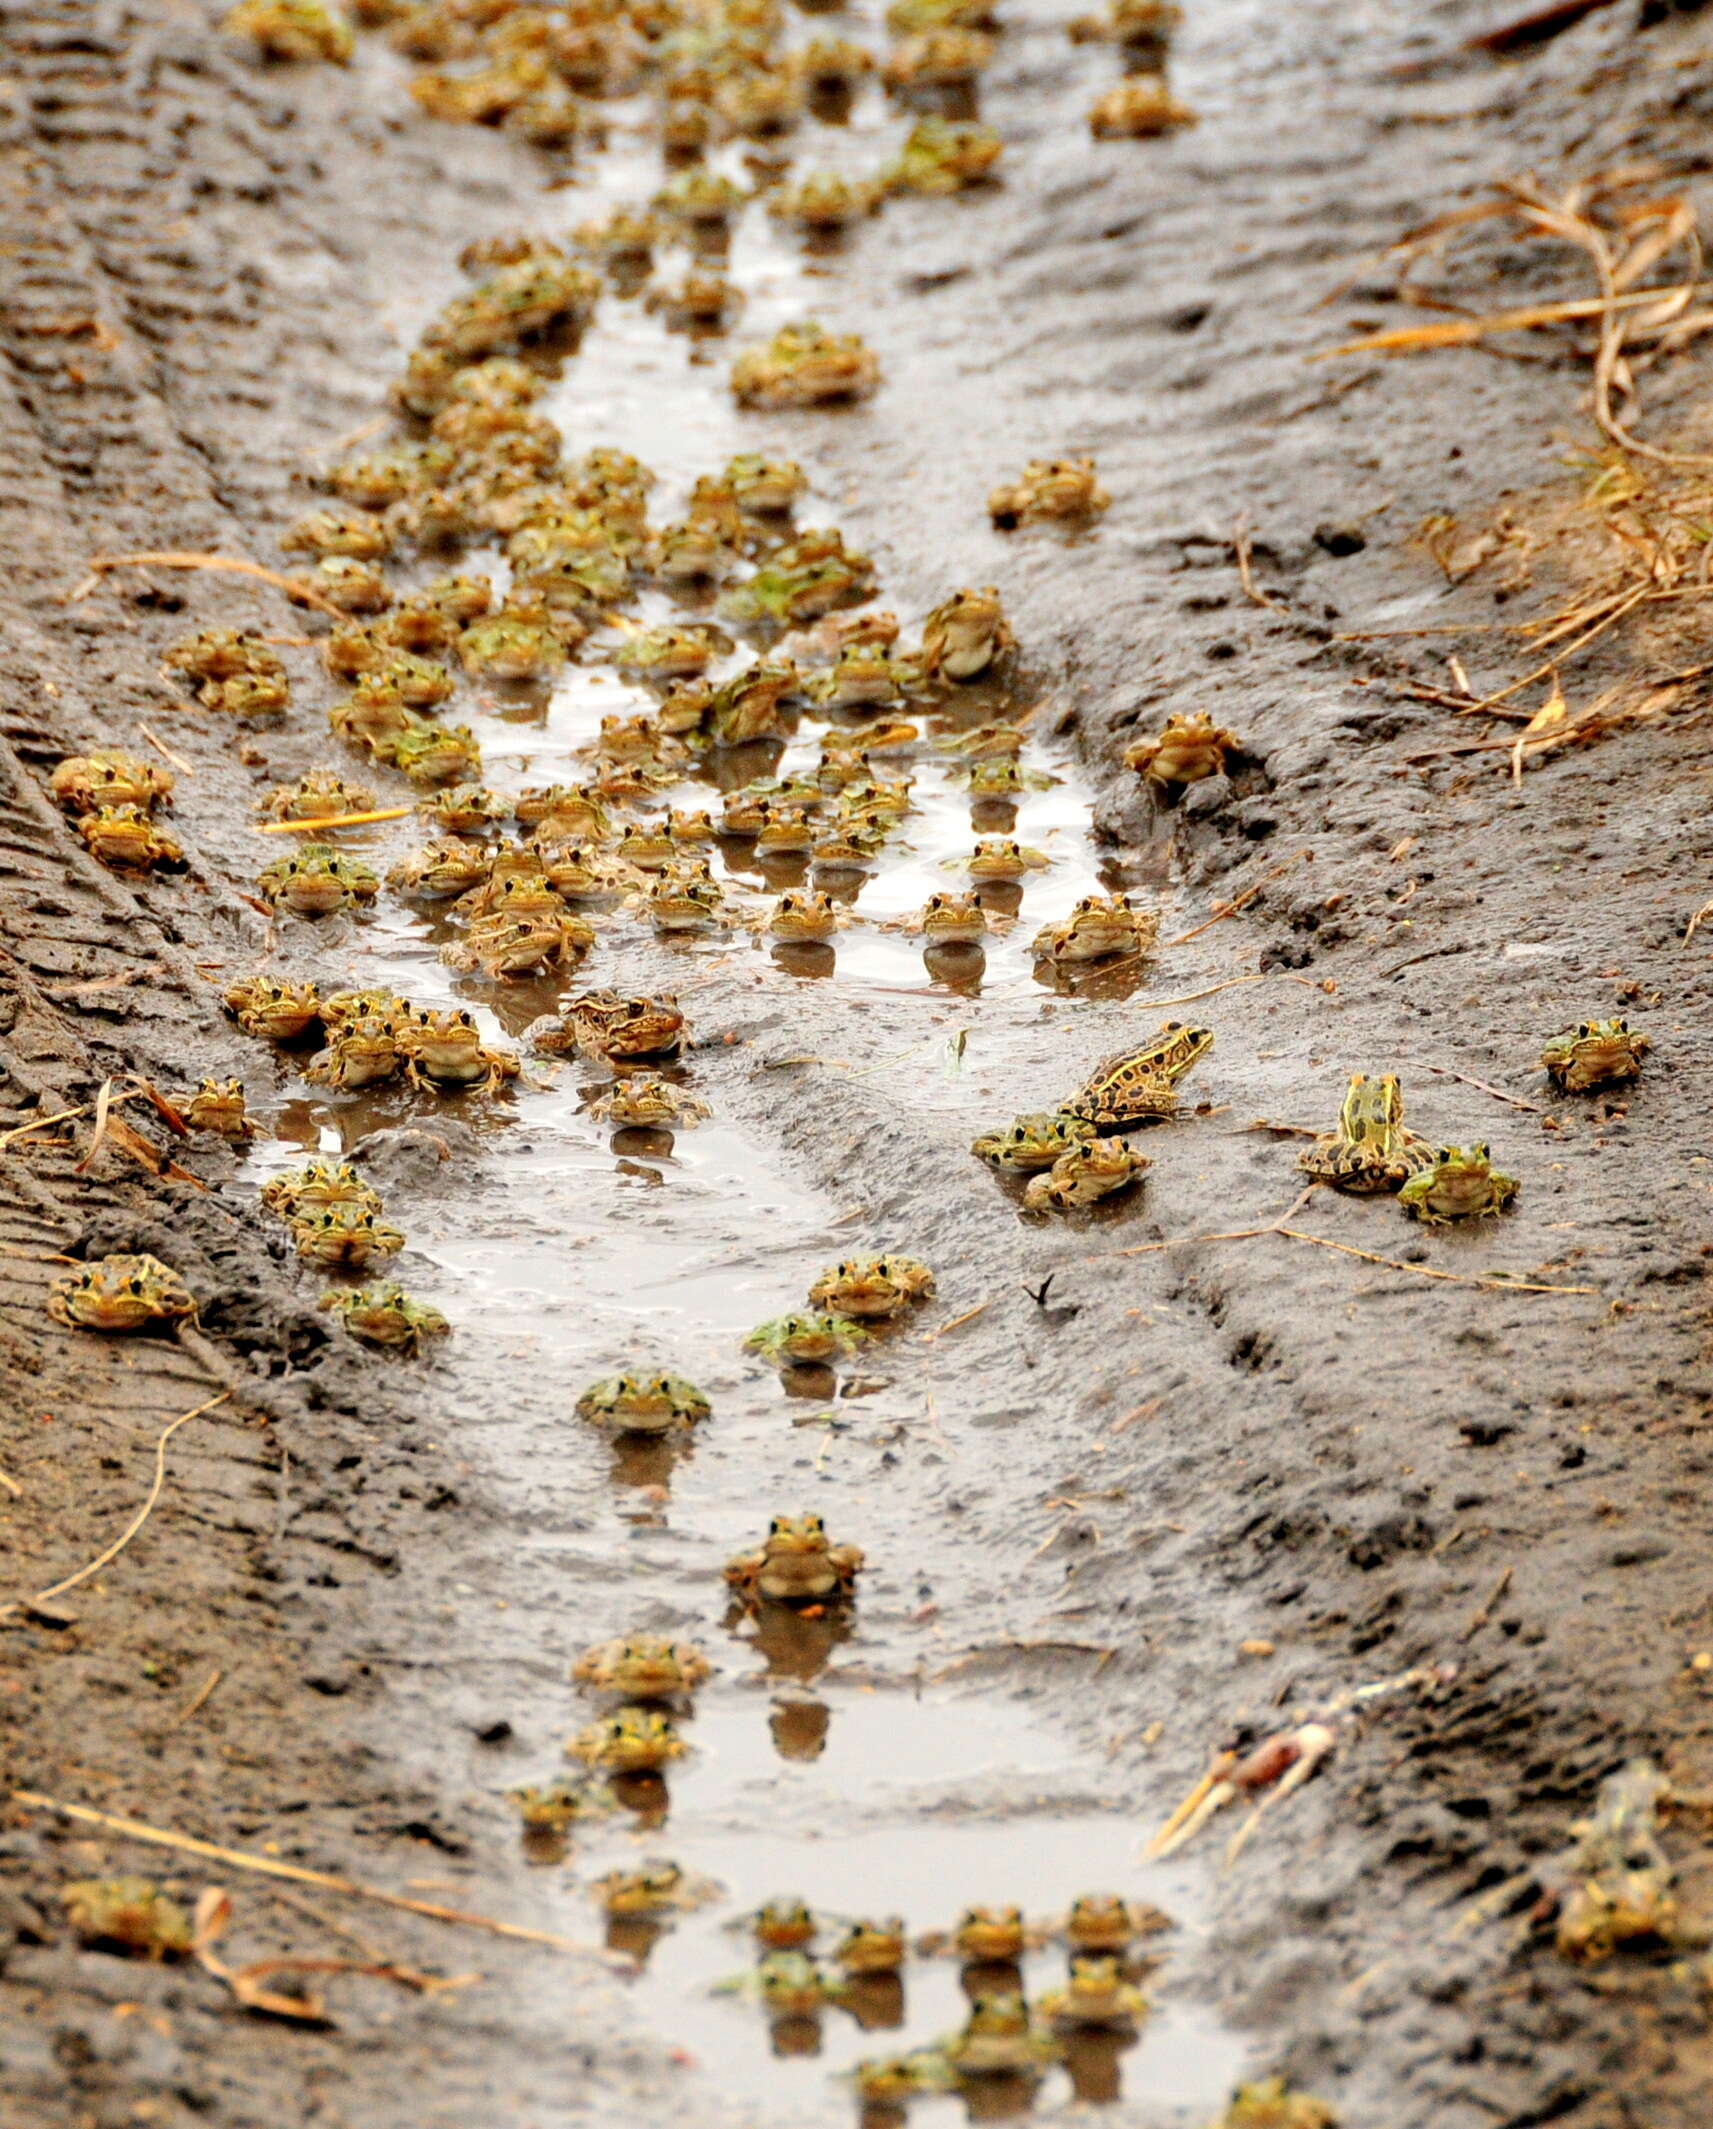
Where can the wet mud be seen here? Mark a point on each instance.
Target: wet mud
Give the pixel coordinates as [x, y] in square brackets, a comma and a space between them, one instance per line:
[1136, 1481]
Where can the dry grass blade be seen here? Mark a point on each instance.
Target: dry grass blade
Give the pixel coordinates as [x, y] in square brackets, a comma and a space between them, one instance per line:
[1706, 910]
[1465, 331]
[103, 1116]
[300, 594]
[335, 820]
[1243, 549]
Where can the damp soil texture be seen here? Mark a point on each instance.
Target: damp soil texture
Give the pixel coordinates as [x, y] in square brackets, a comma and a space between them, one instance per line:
[1133, 1485]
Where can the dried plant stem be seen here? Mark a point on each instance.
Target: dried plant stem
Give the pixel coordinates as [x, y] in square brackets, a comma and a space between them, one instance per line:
[1242, 548]
[1233, 907]
[335, 820]
[1498, 1093]
[234, 564]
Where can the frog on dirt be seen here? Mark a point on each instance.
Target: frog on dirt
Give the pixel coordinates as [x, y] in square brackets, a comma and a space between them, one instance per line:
[1049, 488]
[1084, 1174]
[1595, 1053]
[1031, 1143]
[872, 1286]
[1096, 929]
[130, 1915]
[385, 1316]
[1458, 1186]
[1370, 1150]
[120, 1294]
[1189, 747]
[1138, 1086]
[218, 1106]
[633, 1741]
[644, 1103]
[128, 839]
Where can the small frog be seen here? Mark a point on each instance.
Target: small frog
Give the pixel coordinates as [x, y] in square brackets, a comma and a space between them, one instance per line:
[798, 918]
[673, 651]
[643, 1667]
[315, 880]
[805, 366]
[446, 1050]
[691, 828]
[1188, 747]
[364, 1052]
[568, 809]
[223, 654]
[520, 642]
[246, 695]
[632, 1741]
[945, 56]
[276, 1010]
[791, 1985]
[767, 487]
[343, 1237]
[965, 634]
[746, 706]
[785, 1923]
[1097, 928]
[1139, 1085]
[623, 236]
[795, 1564]
[1049, 488]
[1370, 1150]
[84, 783]
[823, 202]
[760, 101]
[695, 552]
[120, 1294]
[385, 1316]
[831, 66]
[643, 1404]
[218, 1106]
[873, 1947]
[942, 156]
[372, 715]
[434, 754]
[981, 1936]
[318, 1183]
[1138, 109]
[1097, 1997]
[646, 1103]
[863, 676]
[511, 944]
[793, 588]
[999, 2039]
[685, 898]
[438, 870]
[701, 301]
[1106, 1922]
[1458, 1186]
[872, 1286]
[950, 920]
[701, 199]
[807, 1338]
[654, 1888]
[555, 1806]
[1271, 2104]
[1595, 1053]
[319, 794]
[1000, 857]
[614, 1029]
[357, 533]
[129, 1915]
[1029, 1144]
[127, 839]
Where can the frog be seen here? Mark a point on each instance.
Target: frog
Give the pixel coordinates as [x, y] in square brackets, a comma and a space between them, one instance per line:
[1096, 929]
[1098, 1997]
[981, 1936]
[385, 1316]
[1595, 1053]
[696, 551]
[421, 683]
[520, 642]
[247, 696]
[1032, 1143]
[615, 1029]
[806, 1338]
[747, 706]
[364, 1052]
[875, 1287]
[795, 1563]
[950, 920]
[824, 202]
[120, 1294]
[765, 487]
[840, 766]
[273, 1008]
[700, 199]
[128, 839]
[218, 1106]
[804, 365]
[446, 1050]
[791, 1985]
[222, 654]
[623, 236]
[343, 1237]
[691, 828]
[639, 740]
[342, 581]
[702, 302]
[552, 1807]
[1613, 1886]
[965, 635]
[1140, 26]
[941, 156]
[760, 102]
[319, 794]
[632, 1741]
[576, 872]
[804, 917]
[377, 479]
[985, 742]
[435, 754]
[643, 1667]
[643, 1404]
[1107, 1922]
[465, 809]
[130, 1915]
[292, 30]
[510, 944]
[1047, 489]
[342, 1009]
[786, 1923]
[682, 651]
[520, 302]
[1271, 2104]
[315, 880]
[1370, 1150]
[833, 66]
[569, 809]
[84, 783]
[873, 1946]
[998, 2039]
[793, 588]
[1188, 748]
[1458, 1186]
[1138, 1086]
[1141, 108]
[945, 56]
[357, 533]
[647, 1103]
[862, 677]
[647, 846]
[746, 811]
[685, 898]
[371, 715]
[315, 1184]
[654, 1888]
[1000, 857]
[788, 831]
[998, 779]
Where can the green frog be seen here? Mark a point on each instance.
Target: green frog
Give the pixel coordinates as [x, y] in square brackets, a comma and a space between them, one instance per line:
[1458, 1186]
[1370, 1150]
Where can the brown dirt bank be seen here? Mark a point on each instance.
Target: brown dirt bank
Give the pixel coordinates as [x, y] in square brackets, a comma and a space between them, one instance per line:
[209, 272]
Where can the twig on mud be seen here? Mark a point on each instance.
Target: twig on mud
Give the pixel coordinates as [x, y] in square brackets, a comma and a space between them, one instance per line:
[969, 1315]
[1242, 549]
[335, 820]
[184, 768]
[300, 594]
[61, 1116]
[11, 1485]
[42, 1596]
[1239, 902]
[1266, 1123]
[203, 1697]
[1479, 1619]
[1237, 1234]
[1706, 910]
[1130, 1419]
[267, 1866]
[1498, 1093]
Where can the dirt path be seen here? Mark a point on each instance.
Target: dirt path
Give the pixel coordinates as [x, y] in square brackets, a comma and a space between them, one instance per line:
[343, 1634]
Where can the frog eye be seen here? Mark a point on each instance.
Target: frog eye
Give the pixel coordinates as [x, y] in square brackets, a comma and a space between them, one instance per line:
[778, 1525]
[814, 1525]
[1478, 1152]
[1582, 1027]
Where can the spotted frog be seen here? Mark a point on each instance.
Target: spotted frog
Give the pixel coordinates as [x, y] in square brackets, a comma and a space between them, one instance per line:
[385, 1316]
[315, 880]
[795, 1564]
[1458, 1186]
[446, 1050]
[1097, 928]
[1049, 488]
[632, 1741]
[128, 839]
[643, 1667]
[805, 366]
[1139, 1086]
[218, 1106]
[965, 634]
[1595, 1053]
[1033, 1142]
[1086, 1172]
[129, 1915]
[643, 1404]
[85, 782]
[274, 1009]
[343, 1237]
[1370, 1150]
[1187, 749]
[120, 1294]
[808, 1338]
[872, 1286]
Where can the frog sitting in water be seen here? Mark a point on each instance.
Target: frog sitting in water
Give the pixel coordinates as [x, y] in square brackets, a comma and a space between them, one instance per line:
[315, 880]
[1370, 1150]
[654, 1888]
[318, 1183]
[385, 1316]
[1033, 1142]
[644, 1103]
[805, 366]
[808, 1338]
[795, 1563]
[119, 1294]
[1098, 927]
[1458, 1186]
[1271, 2104]
[633, 1741]
[643, 1667]
[1084, 1173]
[360, 1053]
[273, 1009]
[872, 1286]
[643, 1404]
[218, 1106]
[873, 1946]
[446, 1050]
[1097, 1997]
[965, 634]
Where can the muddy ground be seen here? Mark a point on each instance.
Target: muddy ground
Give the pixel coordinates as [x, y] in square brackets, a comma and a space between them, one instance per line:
[210, 270]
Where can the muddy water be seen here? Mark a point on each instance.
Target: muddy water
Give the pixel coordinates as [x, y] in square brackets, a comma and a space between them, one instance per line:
[826, 1760]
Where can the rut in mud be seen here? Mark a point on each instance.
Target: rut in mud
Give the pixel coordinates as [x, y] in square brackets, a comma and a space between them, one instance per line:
[1185, 1487]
